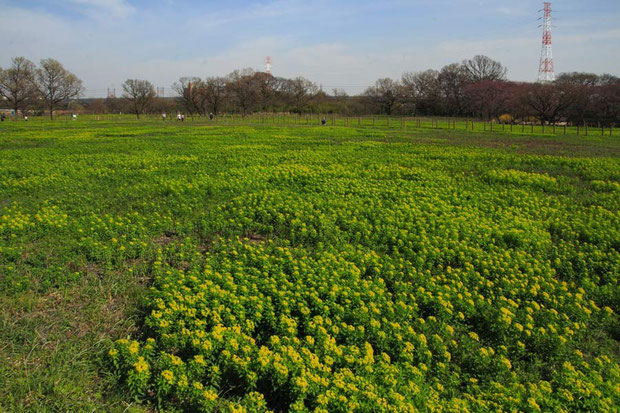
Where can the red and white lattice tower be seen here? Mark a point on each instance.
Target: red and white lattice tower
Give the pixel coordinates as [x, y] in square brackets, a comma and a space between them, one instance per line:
[268, 65]
[546, 72]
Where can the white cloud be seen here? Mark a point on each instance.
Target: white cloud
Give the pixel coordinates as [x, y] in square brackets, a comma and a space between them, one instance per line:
[118, 8]
[514, 11]
[51, 34]
[105, 51]
[277, 8]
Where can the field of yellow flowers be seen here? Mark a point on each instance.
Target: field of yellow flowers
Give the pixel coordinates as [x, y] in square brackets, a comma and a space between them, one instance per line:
[312, 269]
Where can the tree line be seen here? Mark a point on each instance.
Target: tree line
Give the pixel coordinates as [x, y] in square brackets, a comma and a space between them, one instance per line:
[478, 87]
[475, 87]
[25, 85]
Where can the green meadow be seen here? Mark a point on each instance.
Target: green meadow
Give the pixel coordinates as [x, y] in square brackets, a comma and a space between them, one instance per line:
[278, 265]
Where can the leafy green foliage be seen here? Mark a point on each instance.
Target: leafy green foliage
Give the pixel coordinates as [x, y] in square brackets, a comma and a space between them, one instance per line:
[329, 269]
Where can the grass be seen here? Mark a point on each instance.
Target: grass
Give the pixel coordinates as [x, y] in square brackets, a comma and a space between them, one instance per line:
[405, 123]
[72, 192]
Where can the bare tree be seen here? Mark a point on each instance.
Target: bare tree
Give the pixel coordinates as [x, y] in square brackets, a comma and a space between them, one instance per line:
[491, 99]
[547, 101]
[606, 99]
[420, 91]
[17, 84]
[189, 90]
[215, 93]
[385, 94]
[587, 86]
[56, 84]
[452, 81]
[301, 91]
[140, 93]
[244, 89]
[481, 68]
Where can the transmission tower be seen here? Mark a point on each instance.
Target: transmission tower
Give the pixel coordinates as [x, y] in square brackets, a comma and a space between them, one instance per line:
[546, 72]
[268, 65]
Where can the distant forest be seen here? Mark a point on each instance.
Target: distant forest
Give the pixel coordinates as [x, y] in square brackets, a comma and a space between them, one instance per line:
[477, 87]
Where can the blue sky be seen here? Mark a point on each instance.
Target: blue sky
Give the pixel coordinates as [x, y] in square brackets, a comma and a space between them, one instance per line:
[344, 44]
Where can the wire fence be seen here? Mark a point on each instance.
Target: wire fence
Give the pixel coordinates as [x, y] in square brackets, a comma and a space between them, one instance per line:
[332, 120]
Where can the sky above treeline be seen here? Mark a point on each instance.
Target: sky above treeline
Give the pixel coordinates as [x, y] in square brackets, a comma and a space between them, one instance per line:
[337, 44]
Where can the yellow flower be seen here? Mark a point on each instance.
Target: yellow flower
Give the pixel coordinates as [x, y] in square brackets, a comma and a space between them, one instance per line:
[301, 383]
[141, 365]
[210, 395]
[168, 375]
[134, 347]
[237, 408]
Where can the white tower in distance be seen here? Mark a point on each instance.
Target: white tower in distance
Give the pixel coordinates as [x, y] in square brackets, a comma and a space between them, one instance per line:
[268, 65]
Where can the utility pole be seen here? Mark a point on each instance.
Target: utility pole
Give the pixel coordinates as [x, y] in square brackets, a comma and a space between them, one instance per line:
[546, 71]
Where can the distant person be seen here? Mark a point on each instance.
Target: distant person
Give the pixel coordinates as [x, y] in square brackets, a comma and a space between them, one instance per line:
[163, 116]
[2, 117]
[210, 116]
[25, 117]
[74, 116]
[178, 117]
[182, 117]
[323, 121]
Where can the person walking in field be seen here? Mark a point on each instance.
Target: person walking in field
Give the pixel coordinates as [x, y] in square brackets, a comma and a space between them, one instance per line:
[323, 121]
[210, 116]
[179, 117]
[163, 116]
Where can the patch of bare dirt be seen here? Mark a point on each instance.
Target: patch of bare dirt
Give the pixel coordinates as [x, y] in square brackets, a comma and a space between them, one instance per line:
[254, 238]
